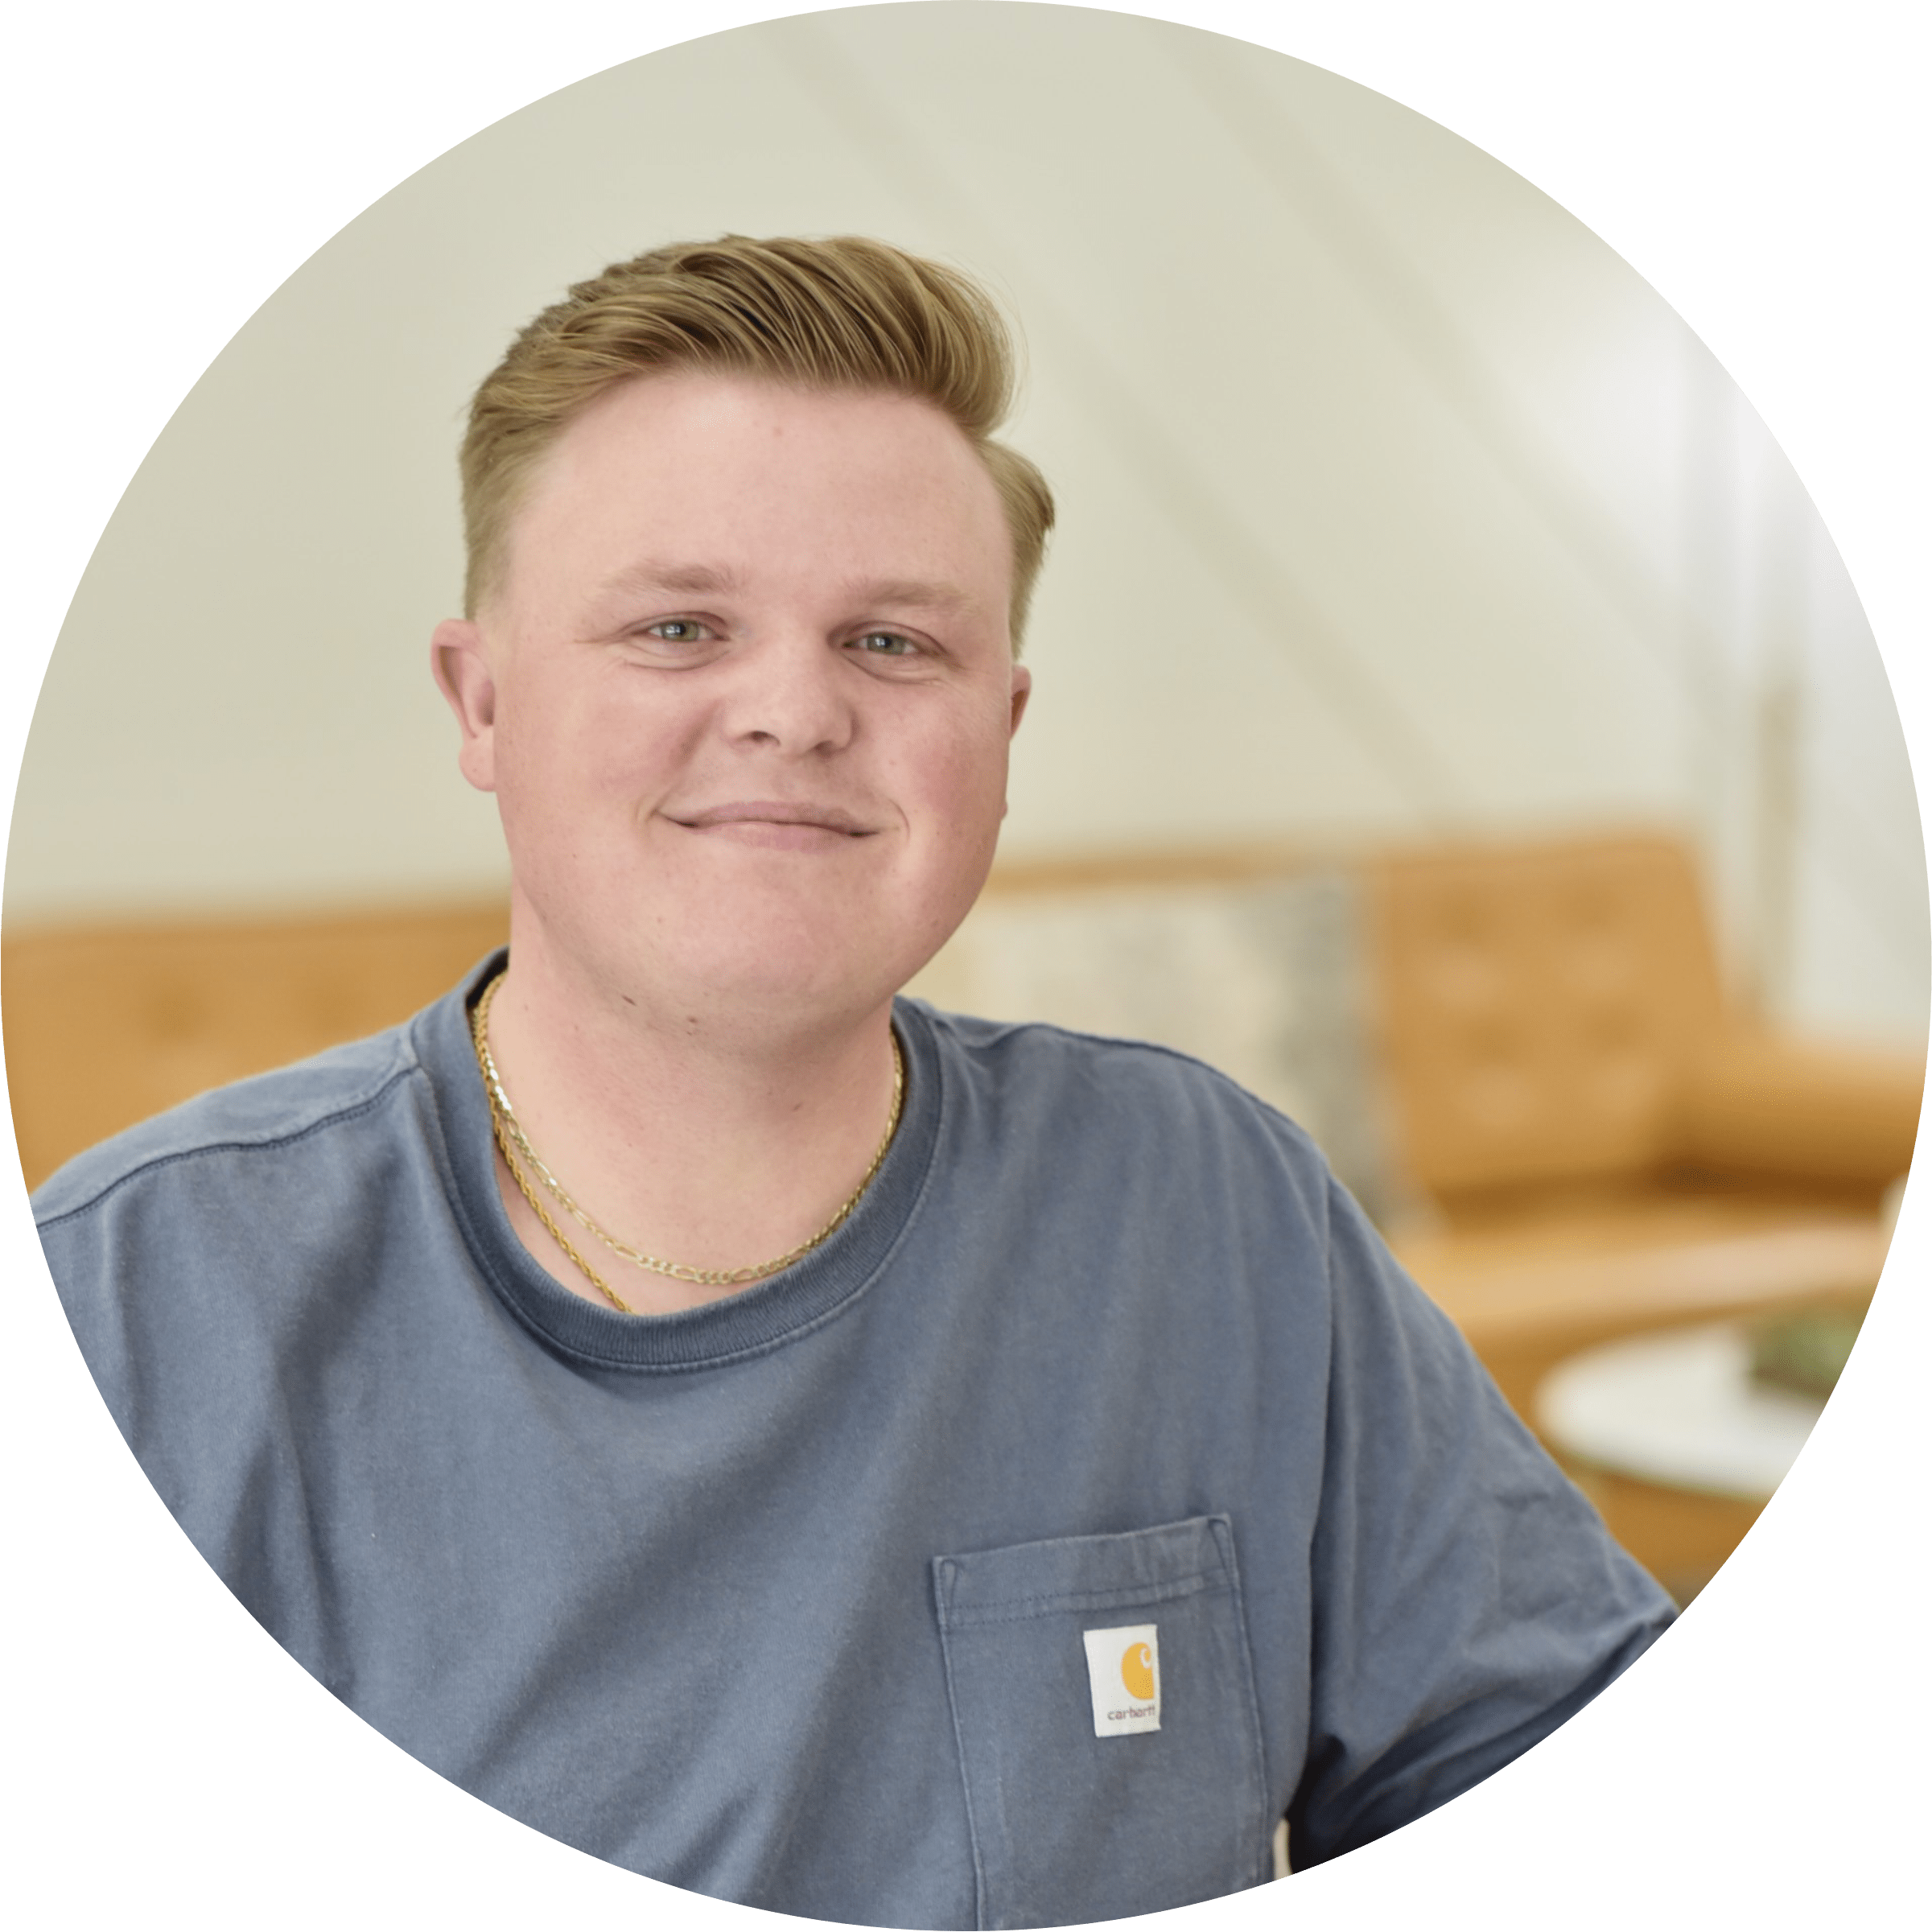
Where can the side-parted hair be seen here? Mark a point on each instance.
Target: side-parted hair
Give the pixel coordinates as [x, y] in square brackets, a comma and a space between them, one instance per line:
[843, 314]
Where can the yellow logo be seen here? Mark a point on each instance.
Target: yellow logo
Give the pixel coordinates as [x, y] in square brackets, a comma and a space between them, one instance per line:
[1123, 1674]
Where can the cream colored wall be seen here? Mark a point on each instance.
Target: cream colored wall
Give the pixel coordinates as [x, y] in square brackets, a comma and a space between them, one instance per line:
[1392, 501]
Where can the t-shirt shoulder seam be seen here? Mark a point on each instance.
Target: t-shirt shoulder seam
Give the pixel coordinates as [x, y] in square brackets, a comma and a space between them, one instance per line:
[236, 1143]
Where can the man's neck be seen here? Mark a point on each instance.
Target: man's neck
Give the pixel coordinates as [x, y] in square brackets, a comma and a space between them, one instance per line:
[715, 1140]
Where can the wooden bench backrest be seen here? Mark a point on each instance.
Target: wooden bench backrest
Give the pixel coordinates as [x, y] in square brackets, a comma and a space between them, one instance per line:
[107, 1025]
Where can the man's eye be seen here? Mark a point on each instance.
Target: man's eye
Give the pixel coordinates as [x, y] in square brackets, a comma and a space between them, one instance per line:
[885, 644]
[677, 630]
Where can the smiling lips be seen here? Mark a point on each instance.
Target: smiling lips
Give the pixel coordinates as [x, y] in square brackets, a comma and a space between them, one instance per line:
[773, 823]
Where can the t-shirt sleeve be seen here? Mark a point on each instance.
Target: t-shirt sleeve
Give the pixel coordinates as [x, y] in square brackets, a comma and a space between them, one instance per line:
[1467, 1597]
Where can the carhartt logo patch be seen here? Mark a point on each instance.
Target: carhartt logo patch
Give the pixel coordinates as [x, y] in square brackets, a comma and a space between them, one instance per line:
[1123, 1672]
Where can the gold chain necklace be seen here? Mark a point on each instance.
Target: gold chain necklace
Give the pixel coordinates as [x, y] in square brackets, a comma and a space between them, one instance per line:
[508, 1130]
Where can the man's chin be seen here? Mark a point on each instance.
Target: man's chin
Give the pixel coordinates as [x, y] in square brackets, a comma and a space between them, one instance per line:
[727, 948]
[775, 980]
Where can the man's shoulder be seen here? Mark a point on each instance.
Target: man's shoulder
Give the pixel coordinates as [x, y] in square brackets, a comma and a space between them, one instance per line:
[295, 1112]
[1052, 1075]
[1037, 1049]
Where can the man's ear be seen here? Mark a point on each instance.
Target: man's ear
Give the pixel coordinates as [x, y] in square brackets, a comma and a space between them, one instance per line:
[1022, 688]
[464, 676]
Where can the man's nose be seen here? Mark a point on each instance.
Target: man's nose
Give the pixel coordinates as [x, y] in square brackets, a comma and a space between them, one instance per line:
[794, 695]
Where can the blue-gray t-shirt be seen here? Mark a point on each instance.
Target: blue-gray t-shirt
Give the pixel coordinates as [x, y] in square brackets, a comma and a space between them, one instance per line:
[1100, 1492]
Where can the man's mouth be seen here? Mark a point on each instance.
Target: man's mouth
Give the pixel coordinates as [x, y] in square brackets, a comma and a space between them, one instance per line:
[778, 815]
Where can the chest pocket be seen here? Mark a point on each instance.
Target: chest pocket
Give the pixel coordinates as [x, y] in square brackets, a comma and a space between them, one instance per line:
[1139, 1637]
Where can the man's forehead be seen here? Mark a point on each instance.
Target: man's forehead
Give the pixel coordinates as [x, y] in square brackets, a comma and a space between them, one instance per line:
[872, 500]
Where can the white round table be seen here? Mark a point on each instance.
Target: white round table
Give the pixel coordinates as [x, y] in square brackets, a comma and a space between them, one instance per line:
[1677, 1408]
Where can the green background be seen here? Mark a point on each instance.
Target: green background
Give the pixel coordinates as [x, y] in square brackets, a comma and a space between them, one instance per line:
[1760, 165]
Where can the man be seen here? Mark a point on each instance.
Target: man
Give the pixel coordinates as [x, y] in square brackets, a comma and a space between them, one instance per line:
[861, 1462]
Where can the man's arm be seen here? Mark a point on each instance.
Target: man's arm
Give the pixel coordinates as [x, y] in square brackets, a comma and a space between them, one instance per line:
[1467, 1598]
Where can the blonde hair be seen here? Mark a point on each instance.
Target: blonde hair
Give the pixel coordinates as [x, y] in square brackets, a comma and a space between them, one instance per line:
[846, 313]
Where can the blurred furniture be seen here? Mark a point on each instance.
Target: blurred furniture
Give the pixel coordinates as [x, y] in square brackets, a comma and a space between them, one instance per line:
[1606, 1149]
[105, 1025]
[1680, 1407]
[1678, 1441]
[1604, 1144]
[1250, 959]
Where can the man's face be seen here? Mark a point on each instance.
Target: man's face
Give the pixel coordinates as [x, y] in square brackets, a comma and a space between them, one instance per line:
[745, 696]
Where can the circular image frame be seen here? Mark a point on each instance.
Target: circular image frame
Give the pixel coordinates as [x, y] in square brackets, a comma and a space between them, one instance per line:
[162, 1707]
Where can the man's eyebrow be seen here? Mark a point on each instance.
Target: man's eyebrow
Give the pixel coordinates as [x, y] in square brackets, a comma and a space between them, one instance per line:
[913, 593]
[686, 579]
[657, 576]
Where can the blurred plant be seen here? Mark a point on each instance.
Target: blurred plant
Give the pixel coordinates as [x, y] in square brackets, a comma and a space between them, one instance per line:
[1807, 1352]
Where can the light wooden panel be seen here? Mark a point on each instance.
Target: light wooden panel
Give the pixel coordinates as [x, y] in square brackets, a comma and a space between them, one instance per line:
[107, 1025]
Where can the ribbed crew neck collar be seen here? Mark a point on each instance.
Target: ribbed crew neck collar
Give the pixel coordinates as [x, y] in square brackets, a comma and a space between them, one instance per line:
[761, 1316]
